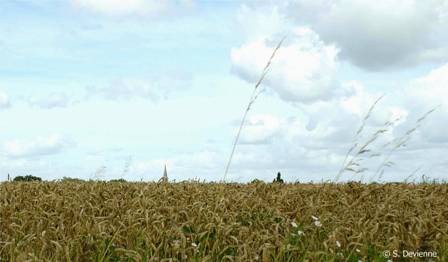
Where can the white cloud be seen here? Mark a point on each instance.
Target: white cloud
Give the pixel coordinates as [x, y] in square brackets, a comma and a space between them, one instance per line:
[130, 7]
[53, 100]
[41, 146]
[259, 23]
[303, 69]
[4, 100]
[125, 90]
[378, 35]
[425, 93]
[431, 88]
[260, 129]
[154, 89]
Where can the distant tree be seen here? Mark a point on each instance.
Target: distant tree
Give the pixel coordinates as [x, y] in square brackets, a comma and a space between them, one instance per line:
[278, 179]
[257, 181]
[120, 180]
[28, 178]
[71, 179]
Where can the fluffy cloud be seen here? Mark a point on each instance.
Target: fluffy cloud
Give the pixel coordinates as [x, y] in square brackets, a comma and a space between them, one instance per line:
[53, 100]
[303, 69]
[257, 23]
[154, 89]
[4, 100]
[432, 87]
[260, 129]
[41, 146]
[429, 92]
[130, 7]
[125, 90]
[378, 35]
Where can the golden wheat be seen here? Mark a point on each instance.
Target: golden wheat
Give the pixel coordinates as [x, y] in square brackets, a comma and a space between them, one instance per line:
[84, 221]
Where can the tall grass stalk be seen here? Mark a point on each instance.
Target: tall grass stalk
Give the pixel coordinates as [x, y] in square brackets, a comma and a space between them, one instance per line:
[398, 143]
[359, 151]
[255, 93]
[352, 163]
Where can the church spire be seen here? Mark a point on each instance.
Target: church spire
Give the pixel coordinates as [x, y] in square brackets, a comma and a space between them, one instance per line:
[164, 178]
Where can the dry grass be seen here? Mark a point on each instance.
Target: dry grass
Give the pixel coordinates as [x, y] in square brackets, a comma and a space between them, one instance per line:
[255, 93]
[365, 149]
[85, 221]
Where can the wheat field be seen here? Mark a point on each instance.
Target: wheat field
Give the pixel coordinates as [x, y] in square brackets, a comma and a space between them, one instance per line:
[192, 221]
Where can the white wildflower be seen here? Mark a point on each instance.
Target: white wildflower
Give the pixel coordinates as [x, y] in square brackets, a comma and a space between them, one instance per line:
[293, 224]
[299, 233]
[316, 221]
[176, 243]
[338, 244]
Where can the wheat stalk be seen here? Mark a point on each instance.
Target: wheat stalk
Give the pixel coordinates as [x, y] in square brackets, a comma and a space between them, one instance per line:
[399, 143]
[255, 93]
[349, 164]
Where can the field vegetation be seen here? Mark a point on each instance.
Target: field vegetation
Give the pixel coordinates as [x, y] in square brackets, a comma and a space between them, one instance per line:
[191, 221]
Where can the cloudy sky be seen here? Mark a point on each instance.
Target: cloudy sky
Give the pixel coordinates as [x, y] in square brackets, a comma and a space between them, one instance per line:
[104, 89]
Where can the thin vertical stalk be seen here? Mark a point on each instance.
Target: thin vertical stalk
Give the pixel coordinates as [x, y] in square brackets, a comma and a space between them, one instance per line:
[256, 92]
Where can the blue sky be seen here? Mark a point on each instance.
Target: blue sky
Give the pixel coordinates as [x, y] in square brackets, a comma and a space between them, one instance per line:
[109, 89]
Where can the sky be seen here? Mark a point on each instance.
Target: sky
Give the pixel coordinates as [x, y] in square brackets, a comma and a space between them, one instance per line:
[108, 89]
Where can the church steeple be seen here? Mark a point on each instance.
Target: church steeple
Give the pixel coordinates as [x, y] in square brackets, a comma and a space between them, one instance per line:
[165, 175]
